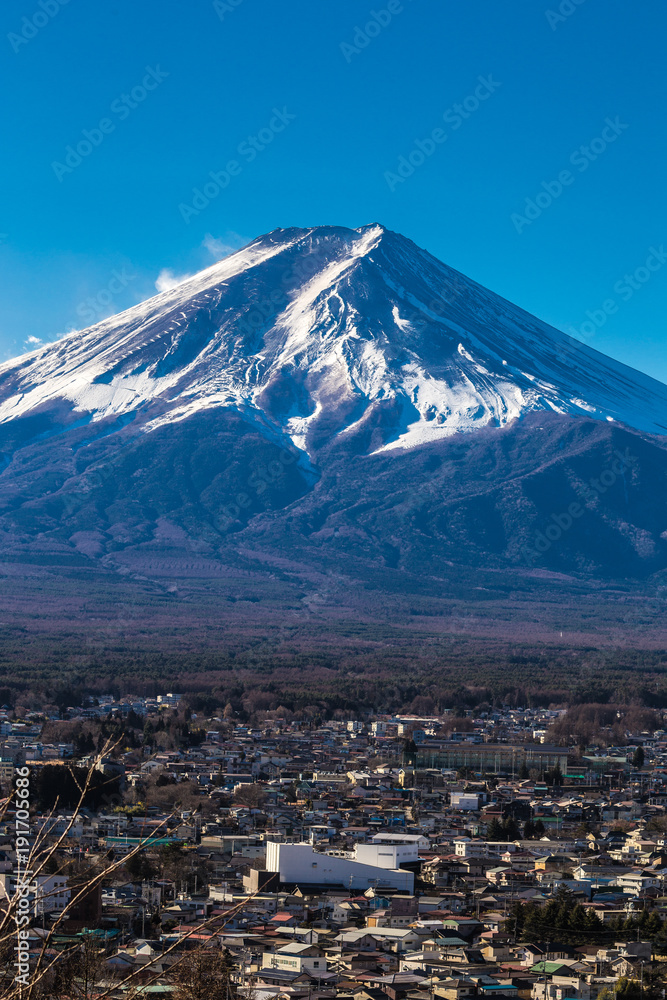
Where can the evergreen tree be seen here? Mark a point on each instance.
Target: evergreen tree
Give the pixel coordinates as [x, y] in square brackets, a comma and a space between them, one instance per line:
[593, 925]
[140, 868]
[576, 922]
[510, 829]
[654, 981]
[532, 924]
[554, 776]
[517, 919]
[494, 830]
[627, 989]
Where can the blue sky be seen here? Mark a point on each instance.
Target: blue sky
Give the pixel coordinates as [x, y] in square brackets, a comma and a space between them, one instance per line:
[337, 96]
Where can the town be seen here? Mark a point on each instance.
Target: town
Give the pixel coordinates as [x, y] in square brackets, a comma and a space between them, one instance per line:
[504, 852]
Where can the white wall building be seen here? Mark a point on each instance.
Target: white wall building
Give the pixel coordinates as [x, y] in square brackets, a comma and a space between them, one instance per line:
[296, 957]
[464, 847]
[386, 855]
[464, 800]
[169, 700]
[51, 893]
[46, 893]
[387, 837]
[299, 864]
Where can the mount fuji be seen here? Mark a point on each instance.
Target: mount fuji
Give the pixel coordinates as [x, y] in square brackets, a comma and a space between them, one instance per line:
[334, 408]
[321, 332]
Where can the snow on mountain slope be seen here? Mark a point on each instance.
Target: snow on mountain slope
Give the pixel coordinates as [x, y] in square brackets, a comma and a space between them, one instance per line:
[314, 333]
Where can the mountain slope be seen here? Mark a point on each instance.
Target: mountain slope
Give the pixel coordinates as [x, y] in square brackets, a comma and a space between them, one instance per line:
[333, 404]
[330, 331]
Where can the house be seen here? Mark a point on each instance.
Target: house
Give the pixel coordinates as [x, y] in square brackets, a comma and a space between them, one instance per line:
[529, 954]
[455, 989]
[395, 939]
[296, 957]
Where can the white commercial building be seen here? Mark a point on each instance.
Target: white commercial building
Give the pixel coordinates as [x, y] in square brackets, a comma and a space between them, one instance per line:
[299, 864]
[386, 855]
[296, 957]
[464, 800]
[46, 893]
[51, 893]
[464, 847]
[389, 837]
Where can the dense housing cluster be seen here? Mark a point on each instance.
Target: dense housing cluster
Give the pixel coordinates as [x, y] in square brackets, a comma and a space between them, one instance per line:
[495, 853]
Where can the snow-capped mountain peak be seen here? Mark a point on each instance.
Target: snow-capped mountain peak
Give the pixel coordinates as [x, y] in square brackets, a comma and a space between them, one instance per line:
[321, 333]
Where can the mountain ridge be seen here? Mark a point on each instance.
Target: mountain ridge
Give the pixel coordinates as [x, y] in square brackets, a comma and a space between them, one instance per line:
[327, 411]
[302, 322]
